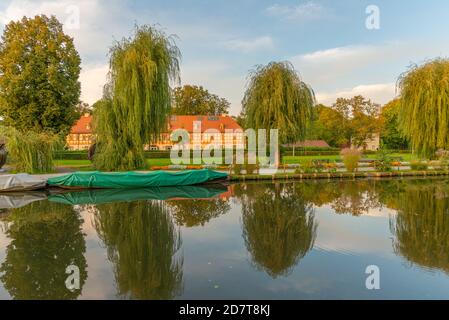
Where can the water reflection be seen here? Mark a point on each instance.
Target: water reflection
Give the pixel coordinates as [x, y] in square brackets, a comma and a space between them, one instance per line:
[421, 225]
[385, 222]
[142, 243]
[45, 239]
[278, 227]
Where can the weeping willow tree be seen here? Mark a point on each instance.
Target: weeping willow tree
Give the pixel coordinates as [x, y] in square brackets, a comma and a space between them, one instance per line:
[277, 98]
[278, 228]
[30, 151]
[46, 238]
[421, 225]
[137, 99]
[424, 112]
[142, 242]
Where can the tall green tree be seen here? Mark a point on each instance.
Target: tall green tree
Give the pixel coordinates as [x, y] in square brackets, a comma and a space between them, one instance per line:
[39, 72]
[195, 100]
[277, 98]
[424, 106]
[390, 134]
[137, 98]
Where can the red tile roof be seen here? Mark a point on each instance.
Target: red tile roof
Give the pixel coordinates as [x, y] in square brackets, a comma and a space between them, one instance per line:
[83, 125]
[310, 144]
[220, 123]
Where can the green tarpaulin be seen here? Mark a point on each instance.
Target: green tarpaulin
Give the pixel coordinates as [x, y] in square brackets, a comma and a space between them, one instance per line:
[122, 180]
[156, 193]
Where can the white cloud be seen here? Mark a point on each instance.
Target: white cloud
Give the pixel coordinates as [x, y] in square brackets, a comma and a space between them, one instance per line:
[378, 93]
[217, 77]
[306, 11]
[93, 78]
[249, 45]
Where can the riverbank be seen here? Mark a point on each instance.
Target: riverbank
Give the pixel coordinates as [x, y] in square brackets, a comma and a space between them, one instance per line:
[339, 175]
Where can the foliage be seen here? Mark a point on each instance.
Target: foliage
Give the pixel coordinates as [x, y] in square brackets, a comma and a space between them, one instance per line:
[276, 98]
[383, 161]
[391, 137]
[197, 212]
[424, 106]
[39, 67]
[30, 152]
[329, 125]
[418, 165]
[137, 99]
[351, 158]
[195, 100]
[421, 227]
[361, 118]
[251, 168]
[279, 228]
[142, 242]
[306, 166]
[46, 238]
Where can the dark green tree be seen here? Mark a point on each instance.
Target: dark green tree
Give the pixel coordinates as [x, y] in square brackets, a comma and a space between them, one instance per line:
[195, 100]
[390, 135]
[39, 71]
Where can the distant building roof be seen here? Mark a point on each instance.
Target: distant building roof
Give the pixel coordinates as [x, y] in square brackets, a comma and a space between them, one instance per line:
[220, 123]
[309, 144]
[83, 125]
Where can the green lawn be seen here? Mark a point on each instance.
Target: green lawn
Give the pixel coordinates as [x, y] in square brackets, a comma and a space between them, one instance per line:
[86, 164]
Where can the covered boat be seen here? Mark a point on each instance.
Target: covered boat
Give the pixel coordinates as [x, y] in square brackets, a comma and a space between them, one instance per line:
[127, 180]
[21, 182]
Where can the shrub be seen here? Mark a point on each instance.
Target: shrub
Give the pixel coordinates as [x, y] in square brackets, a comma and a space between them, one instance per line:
[250, 168]
[30, 152]
[383, 161]
[306, 166]
[418, 165]
[331, 167]
[237, 168]
[351, 158]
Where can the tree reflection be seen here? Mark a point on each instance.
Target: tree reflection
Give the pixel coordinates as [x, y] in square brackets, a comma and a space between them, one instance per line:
[196, 212]
[142, 242]
[45, 238]
[421, 226]
[278, 227]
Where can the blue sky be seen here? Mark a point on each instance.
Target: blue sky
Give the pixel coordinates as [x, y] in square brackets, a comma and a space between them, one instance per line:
[220, 41]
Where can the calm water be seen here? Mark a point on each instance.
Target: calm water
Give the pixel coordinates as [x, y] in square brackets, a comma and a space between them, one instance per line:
[297, 240]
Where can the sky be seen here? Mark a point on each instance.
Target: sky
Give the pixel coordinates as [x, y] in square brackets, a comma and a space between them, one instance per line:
[327, 41]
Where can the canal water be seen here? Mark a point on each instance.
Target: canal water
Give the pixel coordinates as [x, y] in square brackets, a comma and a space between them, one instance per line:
[296, 240]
